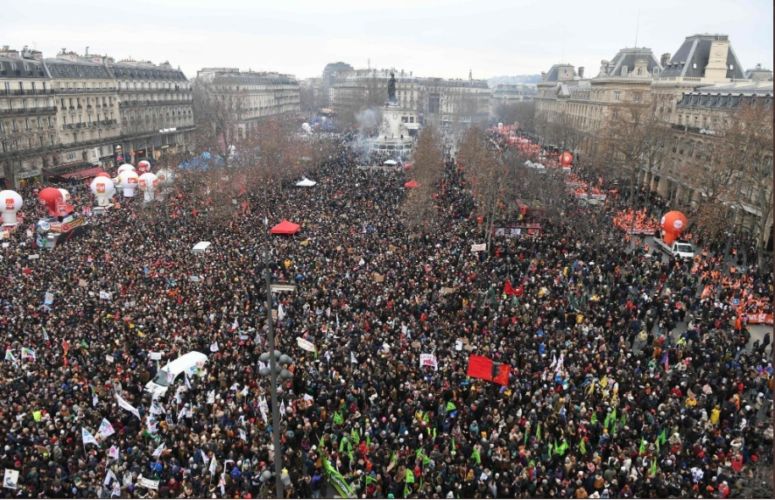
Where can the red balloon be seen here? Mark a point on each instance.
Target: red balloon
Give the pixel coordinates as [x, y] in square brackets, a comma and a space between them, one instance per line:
[566, 159]
[52, 198]
[673, 224]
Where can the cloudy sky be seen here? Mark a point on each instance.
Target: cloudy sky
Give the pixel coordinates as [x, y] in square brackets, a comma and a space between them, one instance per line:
[429, 37]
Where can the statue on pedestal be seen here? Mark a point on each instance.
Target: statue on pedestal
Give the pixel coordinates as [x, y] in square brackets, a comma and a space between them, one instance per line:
[392, 89]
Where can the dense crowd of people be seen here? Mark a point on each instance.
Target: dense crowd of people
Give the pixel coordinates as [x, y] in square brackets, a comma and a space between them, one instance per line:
[625, 381]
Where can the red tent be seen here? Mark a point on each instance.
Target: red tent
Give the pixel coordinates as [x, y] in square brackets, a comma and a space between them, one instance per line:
[411, 184]
[286, 227]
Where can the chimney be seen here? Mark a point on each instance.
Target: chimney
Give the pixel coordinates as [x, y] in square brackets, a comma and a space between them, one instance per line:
[664, 60]
[581, 72]
[716, 69]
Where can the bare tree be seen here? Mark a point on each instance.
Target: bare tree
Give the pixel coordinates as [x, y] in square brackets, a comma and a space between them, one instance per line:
[218, 116]
[634, 137]
[419, 208]
[521, 113]
[739, 174]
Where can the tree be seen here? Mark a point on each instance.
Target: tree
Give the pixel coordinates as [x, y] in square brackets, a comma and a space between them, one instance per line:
[521, 113]
[482, 159]
[634, 137]
[418, 207]
[217, 115]
[740, 174]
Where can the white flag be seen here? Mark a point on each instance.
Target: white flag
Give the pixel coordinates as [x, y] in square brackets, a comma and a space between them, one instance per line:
[282, 408]
[158, 451]
[243, 435]
[213, 465]
[222, 483]
[94, 399]
[105, 429]
[353, 359]
[11, 479]
[113, 452]
[214, 346]
[211, 397]
[9, 355]
[263, 408]
[186, 380]
[109, 478]
[123, 403]
[88, 437]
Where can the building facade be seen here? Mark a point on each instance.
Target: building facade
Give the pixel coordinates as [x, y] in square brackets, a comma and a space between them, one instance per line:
[253, 96]
[445, 103]
[87, 112]
[71, 113]
[28, 116]
[698, 124]
[571, 110]
[155, 109]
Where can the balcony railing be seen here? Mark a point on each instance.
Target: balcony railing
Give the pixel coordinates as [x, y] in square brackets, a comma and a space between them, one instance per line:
[168, 102]
[26, 92]
[48, 110]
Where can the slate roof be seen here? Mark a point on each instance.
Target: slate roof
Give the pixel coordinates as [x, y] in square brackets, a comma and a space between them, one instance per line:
[692, 57]
[65, 68]
[627, 57]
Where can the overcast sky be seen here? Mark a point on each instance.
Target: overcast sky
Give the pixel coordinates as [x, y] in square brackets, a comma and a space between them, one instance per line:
[429, 37]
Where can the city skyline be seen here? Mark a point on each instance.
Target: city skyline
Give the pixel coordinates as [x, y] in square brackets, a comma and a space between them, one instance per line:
[304, 36]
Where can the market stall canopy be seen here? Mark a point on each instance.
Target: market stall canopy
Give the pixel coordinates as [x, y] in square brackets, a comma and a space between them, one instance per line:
[304, 182]
[201, 247]
[286, 227]
[411, 184]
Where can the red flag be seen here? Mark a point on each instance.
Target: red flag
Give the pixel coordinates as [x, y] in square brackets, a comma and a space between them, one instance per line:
[479, 367]
[508, 289]
[484, 368]
[502, 377]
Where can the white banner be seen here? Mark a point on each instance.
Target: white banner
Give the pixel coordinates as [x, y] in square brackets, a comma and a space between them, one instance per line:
[429, 360]
[305, 344]
[148, 483]
[478, 247]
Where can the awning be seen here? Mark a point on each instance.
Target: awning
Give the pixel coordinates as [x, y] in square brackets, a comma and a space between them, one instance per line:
[82, 174]
[286, 227]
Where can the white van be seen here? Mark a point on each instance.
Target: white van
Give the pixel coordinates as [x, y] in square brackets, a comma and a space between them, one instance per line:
[166, 376]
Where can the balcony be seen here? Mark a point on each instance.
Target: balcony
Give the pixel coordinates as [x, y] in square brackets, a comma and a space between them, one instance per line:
[155, 103]
[86, 91]
[48, 110]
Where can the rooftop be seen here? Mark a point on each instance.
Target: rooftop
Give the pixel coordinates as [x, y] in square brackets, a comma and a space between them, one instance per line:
[692, 57]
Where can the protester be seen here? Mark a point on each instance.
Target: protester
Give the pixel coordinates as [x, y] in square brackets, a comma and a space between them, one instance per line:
[608, 395]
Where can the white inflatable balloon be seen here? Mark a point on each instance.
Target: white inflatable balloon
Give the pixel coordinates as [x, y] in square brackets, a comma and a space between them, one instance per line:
[103, 189]
[65, 195]
[127, 180]
[10, 203]
[125, 167]
[148, 183]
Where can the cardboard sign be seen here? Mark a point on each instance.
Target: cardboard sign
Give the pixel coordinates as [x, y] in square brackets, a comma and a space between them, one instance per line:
[478, 247]
[11, 479]
[305, 344]
[429, 360]
[154, 356]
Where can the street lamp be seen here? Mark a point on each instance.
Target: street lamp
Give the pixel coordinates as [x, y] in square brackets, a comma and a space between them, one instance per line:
[274, 358]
